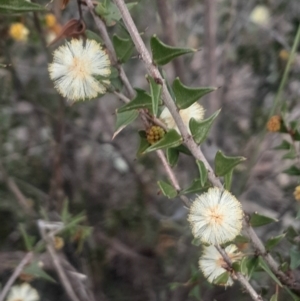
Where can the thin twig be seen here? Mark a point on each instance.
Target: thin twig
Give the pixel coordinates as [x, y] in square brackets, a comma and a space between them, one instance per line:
[15, 275]
[60, 271]
[240, 276]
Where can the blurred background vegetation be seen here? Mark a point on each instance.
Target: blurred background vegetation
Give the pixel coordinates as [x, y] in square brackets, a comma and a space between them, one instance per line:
[134, 244]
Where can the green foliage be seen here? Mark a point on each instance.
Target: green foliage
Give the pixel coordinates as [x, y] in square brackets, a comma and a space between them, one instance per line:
[93, 36]
[163, 54]
[35, 270]
[249, 265]
[292, 171]
[228, 180]
[224, 164]
[170, 139]
[155, 90]
[258, 220]
[295, 257]
[274, 297]
[186, 96]
[202, 171]
[144, 144]
[222, 279]
[28, 239]
[200, 129]
[18, 7]
[196, 187]
[142, 100]
[266, 268]
[168, 190]
[274, 241]
[172, 156]
[109, 12]
[124, 119]
[123, 47]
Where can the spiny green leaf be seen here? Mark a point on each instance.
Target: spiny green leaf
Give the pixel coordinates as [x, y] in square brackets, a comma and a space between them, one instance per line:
[172, 156]
[155, 94]
[142, 100]
[144, 144]
[258, 220]
[284, 145]
[295, 258]
[163, 54]
[292, 171]
[35, 270]
[200, 129]
[170, 139]
[123, 48]
[186, 96]
[167, 189]
[224, 164]
[124, 119]
[18, 6]
[266, 268]
[202, 171]
[93, 36]
[196, 187]
[274, 241]
[228, 180]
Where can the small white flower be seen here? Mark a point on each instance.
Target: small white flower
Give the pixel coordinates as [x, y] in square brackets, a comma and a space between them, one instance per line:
[213, 265]
[260, 15]
[195, 111]
[216, 216]
[23, 292]
[75, 66]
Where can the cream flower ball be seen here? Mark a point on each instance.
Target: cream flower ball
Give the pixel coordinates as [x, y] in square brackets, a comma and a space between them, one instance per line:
[216, 216]
[23, 292]
[75, 68]
[213, 265]
[195, 111]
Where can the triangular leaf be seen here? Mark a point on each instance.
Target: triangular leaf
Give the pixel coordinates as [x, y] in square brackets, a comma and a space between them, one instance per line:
[292, 171]
[155, 90]
[123, 119]
[266, 268]
[274, 241]
[123, 48]
[93, 36]
[228, 180]
[35, 270]
[202, 171]
[170, 139]
[295, 258]
[163, 54]
[144, 144]
[18, 6]
[200, 129]
[224, 164]
[142, 100]
[196, 187]
[172, 156]
[258, 220]
[284, 145]
[186, 96]
[167, 189]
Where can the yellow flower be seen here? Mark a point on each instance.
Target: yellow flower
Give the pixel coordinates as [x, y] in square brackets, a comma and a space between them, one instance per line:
[260, 15]
[75, 68]
[297, 193]
[18, 31]
[50, 20]
[213, 265]
[216, 216]
[195, 111]
[274, 123]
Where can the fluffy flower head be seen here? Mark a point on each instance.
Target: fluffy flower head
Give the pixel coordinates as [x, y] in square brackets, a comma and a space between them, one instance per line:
[18, 31]
[213, 265]
[216, 216]
[195, 111]
[260, 15]
[274, 123]
[75, 66]
[23, 292]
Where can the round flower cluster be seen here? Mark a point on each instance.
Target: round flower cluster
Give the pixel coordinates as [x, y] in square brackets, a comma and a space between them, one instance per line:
[216, 218]
[18, 31]
[274, 123]
[154, 134]
[297, 193]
